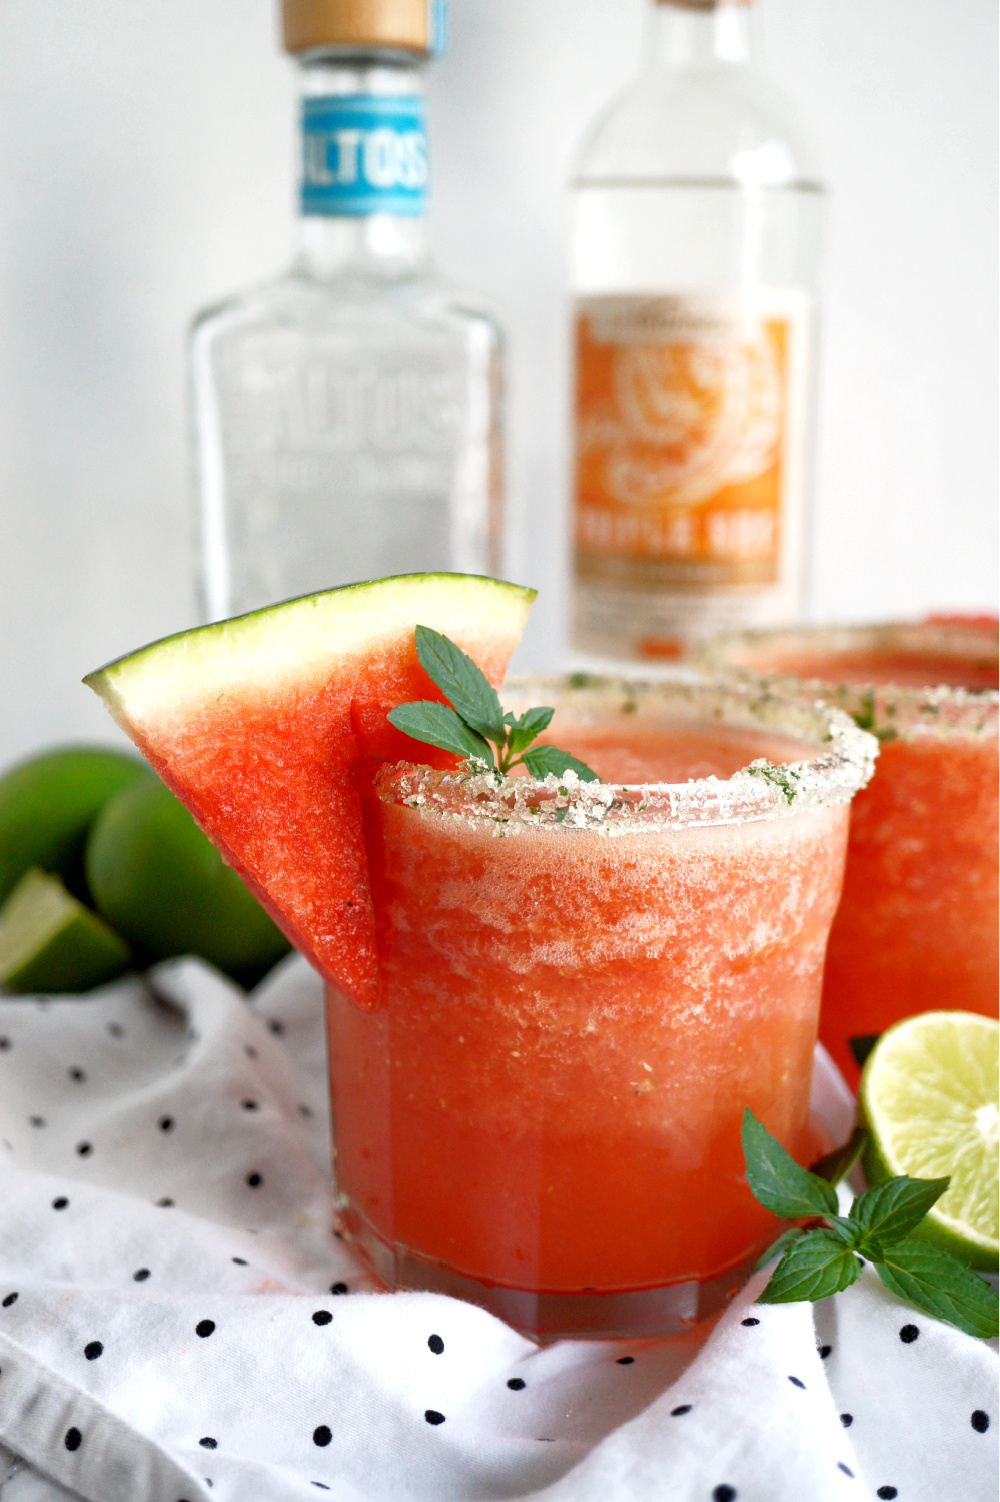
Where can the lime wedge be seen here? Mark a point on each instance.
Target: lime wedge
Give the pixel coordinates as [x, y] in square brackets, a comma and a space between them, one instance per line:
[50, 942]
[929, 1099]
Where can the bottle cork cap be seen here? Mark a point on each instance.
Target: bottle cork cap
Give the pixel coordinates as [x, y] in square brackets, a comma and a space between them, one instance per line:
[412, 25]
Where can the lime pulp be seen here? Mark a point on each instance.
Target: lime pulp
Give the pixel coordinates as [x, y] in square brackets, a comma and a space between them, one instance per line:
[929, 1097]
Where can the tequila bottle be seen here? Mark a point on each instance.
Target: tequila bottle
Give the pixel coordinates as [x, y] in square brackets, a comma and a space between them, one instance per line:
[347, 416]
[695, 227]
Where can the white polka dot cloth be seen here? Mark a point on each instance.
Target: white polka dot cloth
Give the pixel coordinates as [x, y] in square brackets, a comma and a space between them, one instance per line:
[178, 1322]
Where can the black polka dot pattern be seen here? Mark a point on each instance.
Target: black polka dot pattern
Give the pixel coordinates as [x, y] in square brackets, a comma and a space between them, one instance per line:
[452, 1356]
[276, 1027]
[77, 1074]
[5, 1044]
[165, 1203]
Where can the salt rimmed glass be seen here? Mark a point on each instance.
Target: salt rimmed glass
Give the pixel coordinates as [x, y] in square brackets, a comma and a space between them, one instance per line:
[916, 929]
[582, 987]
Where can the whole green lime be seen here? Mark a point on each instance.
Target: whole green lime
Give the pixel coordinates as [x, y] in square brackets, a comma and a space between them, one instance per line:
[49, 802]
[166, 889]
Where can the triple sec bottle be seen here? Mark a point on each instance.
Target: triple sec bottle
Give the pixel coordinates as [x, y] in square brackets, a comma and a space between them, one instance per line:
[694, 240]
[347, 416]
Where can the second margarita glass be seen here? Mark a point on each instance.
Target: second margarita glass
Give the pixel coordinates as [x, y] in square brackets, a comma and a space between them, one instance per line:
[916, 929]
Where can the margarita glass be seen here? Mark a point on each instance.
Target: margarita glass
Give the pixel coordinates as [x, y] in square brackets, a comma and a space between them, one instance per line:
[582, 986]
[916, 929]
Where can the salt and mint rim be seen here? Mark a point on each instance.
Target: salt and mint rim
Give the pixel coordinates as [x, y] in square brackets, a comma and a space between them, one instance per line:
[889, 710]
[843, 761]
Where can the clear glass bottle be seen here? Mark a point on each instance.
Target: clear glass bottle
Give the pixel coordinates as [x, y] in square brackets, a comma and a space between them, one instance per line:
[348, 415]
[693, 253]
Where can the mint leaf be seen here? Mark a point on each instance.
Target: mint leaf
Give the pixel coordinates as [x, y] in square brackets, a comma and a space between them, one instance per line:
[543, 760]
[475, 716]
[815, 1266]
[523, 730]
[776, 1180]
[778, 1247]
[462, 682]
[890, 1211]
[933, 1280]
[843, 1229]
[837, 1165]
[438, 725]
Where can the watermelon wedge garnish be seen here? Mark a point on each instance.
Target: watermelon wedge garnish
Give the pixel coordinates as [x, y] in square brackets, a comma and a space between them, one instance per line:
[258, 723]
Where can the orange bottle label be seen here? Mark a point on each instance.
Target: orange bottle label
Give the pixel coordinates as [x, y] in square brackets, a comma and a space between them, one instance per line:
[681, 414]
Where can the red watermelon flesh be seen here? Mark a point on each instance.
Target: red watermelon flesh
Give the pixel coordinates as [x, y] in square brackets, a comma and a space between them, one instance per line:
[258, 722]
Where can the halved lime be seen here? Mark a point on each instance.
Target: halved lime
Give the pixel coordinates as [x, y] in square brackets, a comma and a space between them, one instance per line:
[50, 942]
[929, 1098]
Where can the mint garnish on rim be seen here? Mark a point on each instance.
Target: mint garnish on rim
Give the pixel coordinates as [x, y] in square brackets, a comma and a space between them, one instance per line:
[473, 724]
[816, 1263]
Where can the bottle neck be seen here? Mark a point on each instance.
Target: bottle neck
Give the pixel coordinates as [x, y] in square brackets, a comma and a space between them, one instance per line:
[699, 33]
[363, 181]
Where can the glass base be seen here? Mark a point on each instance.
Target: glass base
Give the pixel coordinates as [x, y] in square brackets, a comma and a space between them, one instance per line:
[626, 1314]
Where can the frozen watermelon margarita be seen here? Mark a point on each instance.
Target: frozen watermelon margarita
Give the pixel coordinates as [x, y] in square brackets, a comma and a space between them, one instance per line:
[584, 985]
[916, 929]
[549, 1000]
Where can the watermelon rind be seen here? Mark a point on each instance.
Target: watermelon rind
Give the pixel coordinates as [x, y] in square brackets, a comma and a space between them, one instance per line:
[302, 640]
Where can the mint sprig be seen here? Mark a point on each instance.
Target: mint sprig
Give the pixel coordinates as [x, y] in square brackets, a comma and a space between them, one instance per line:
[473, 724]
[816, 1263]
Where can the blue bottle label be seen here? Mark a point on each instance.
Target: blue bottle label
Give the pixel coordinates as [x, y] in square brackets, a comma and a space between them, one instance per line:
[437, 25]
[364, 154]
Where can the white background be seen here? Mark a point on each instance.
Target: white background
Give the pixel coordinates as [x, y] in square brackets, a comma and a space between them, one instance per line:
[147, 163]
